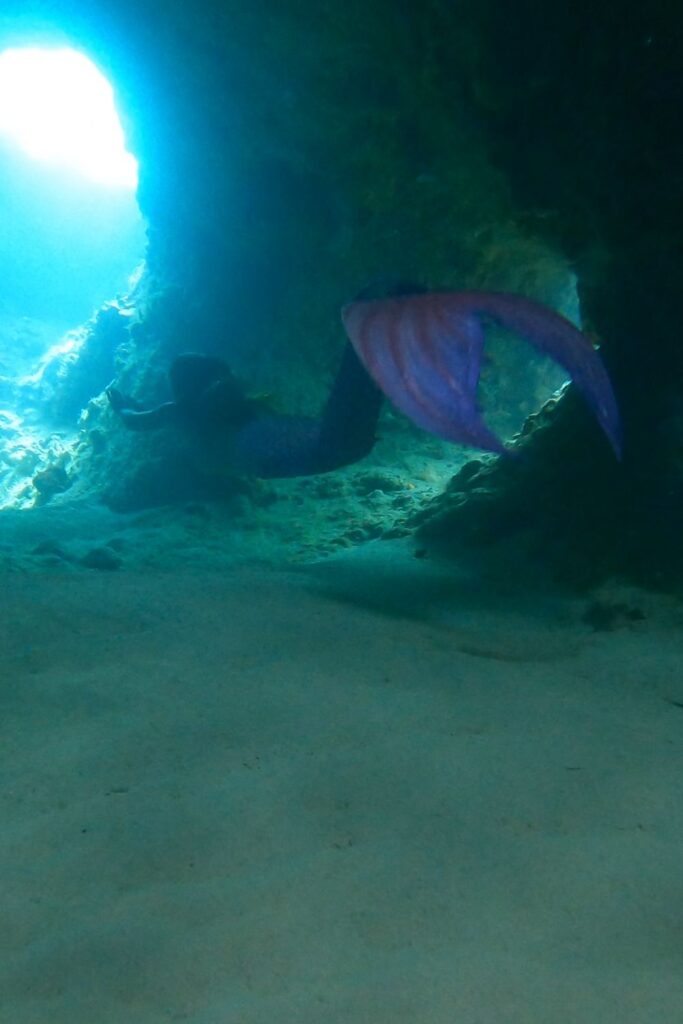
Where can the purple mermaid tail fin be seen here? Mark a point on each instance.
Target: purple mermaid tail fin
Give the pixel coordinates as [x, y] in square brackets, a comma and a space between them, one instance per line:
[424, 352]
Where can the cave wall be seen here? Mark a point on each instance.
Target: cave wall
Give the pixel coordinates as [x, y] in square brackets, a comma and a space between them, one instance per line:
[582, 106]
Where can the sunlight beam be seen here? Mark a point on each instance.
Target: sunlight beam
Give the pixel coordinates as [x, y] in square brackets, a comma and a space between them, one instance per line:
[58, 108]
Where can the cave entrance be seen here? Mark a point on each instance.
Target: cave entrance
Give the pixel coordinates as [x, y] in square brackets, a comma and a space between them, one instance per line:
[73, 239]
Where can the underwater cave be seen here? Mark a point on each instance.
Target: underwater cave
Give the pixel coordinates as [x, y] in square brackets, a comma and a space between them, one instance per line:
[341, 471]
[81, 307]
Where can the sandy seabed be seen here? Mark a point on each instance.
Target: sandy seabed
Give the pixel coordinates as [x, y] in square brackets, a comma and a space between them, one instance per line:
[358, 793]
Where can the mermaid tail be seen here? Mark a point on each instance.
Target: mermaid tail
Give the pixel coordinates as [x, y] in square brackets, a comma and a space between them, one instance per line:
[424, 351]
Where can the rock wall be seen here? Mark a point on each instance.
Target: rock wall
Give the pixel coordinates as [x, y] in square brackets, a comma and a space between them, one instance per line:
[583, 106]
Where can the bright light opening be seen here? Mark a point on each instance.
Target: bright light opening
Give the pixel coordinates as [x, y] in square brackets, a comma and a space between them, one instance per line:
[59, 108]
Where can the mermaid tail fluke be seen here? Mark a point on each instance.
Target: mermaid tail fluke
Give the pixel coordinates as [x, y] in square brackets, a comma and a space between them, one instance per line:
[425, 351]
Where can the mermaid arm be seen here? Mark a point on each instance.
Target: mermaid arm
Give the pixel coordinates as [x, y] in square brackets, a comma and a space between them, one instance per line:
[136, 417]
